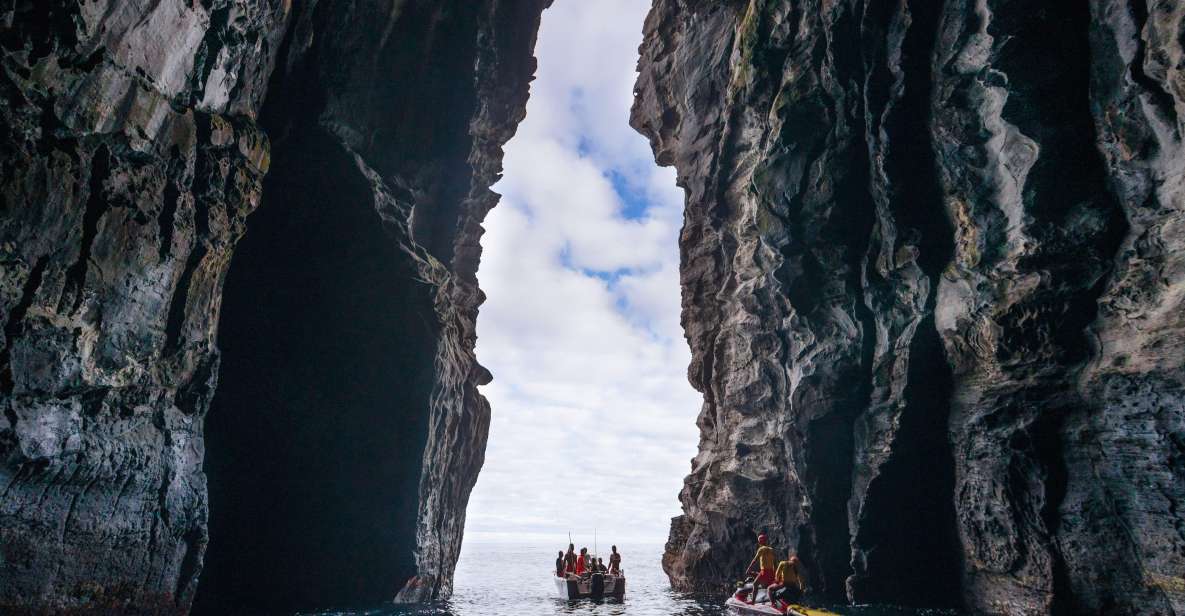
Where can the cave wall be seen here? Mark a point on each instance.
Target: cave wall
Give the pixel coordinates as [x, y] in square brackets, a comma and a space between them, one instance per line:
[135, 142]
[349, 382]
[131, 156]
[932, 285]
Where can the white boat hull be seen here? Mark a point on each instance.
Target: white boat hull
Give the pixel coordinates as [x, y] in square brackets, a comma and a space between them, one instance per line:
[572, 588]
[737, 606]
[761, 608]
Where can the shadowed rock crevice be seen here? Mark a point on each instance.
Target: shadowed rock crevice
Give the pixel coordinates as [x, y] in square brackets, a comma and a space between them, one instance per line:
[914, 563]
[316, 433]
[96, 206]
[830, 444]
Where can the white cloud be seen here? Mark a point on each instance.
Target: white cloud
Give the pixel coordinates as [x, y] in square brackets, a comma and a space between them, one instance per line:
[594, 422]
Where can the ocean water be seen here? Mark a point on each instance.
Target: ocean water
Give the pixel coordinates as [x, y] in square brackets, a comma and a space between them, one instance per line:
[500, 579]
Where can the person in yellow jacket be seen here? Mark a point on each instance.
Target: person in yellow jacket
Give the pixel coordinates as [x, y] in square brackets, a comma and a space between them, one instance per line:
[765, 560]
[788, 585]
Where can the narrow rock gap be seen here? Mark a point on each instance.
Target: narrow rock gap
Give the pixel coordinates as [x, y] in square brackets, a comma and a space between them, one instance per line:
[175, 320]
[96, 207]
[211, 46]
[830, 440]
[203, 178]
[915, 563]
[1079, 227]
[1046, 443]
[168, 213]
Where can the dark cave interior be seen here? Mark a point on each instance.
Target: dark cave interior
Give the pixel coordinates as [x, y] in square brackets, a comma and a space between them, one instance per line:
[315, 437]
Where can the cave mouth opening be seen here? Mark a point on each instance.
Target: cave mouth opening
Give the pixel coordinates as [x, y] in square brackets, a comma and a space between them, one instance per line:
[580, 327]
[329, 336]
[316, 433]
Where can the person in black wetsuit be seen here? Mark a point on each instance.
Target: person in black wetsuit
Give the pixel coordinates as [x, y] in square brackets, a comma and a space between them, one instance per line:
[559, 565]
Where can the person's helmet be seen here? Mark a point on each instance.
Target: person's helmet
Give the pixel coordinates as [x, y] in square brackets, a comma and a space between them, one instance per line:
[761, 539]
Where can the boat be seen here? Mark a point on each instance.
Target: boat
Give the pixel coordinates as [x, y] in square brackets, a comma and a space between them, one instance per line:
[736, 605]
[593, 586]
[761, 608]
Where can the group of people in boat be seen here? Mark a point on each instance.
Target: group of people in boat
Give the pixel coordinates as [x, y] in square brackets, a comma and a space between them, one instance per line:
[782, 580]
[584, 563]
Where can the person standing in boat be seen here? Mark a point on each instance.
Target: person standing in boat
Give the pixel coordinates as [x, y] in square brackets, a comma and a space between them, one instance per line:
[765, 561]
[615, 561]
[559, 564]
[570, 559]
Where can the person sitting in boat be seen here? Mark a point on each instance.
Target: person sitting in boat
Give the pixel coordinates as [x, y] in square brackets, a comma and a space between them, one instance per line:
[601, 568]
[788, 586]
[559, 564]
[570, 560]
[765, 561]
[582, 562]
[615, 562]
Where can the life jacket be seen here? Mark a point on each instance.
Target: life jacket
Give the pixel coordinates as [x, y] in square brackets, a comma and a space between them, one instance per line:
[765, 558]
[579, 565]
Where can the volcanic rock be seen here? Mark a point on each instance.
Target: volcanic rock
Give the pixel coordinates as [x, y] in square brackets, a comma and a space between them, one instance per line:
[133, 146]
[931, 283]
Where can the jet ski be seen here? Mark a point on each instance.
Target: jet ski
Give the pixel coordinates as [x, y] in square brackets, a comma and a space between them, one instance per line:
[591, 586]
[739, 604]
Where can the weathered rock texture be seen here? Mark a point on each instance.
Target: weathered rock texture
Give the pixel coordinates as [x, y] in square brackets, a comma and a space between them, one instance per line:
[132, 149]
[130, 159]
[932, 276]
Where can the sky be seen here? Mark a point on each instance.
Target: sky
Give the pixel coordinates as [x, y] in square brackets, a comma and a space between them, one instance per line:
[593, 418]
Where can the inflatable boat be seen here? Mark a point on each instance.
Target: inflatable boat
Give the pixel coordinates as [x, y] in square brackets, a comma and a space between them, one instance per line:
[593, 586]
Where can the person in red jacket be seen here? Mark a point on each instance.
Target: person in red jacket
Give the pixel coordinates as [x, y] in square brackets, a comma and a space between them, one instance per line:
[581, 568]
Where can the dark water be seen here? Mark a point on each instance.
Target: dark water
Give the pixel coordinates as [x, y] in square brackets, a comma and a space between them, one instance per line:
[500, 579]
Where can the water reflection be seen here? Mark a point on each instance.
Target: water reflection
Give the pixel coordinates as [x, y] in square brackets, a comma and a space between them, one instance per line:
[513, 580]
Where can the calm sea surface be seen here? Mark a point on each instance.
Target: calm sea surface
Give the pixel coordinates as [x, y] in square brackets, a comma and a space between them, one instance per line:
[499, 579]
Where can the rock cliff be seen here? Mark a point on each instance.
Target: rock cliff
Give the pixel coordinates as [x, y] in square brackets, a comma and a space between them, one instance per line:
[135, 140]
[932, 282]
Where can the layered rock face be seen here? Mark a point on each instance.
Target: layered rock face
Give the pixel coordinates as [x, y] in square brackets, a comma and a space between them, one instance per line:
[133, 149]
[130, 158]
[932, 285]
